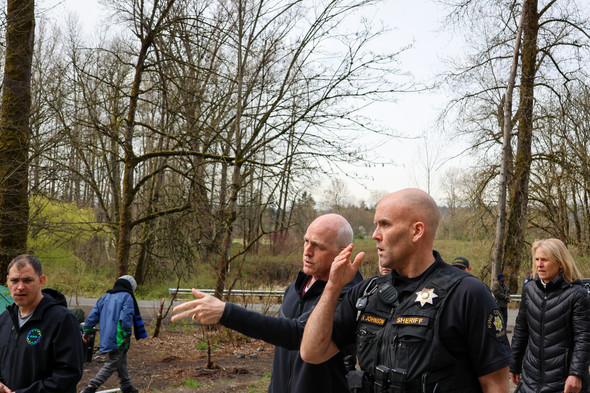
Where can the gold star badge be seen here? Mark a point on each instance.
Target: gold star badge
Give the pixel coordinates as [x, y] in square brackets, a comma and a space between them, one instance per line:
[498, 323]
[425, 296]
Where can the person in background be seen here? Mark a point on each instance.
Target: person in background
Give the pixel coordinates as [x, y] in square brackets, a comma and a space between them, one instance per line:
[462, 263]
[116, 312]
[551, 340]
[326, 236]
[528, 279]
[40, 343]
[501, 295]
[424, 327]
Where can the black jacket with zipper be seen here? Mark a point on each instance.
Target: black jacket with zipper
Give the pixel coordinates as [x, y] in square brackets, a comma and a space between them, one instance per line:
[290, 374]
[45, 355]
[551, 337]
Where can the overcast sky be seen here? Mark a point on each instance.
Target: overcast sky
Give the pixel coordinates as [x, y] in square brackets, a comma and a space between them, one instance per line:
[418, 22]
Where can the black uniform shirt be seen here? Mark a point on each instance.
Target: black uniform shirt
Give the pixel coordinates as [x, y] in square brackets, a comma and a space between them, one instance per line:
[468, 326]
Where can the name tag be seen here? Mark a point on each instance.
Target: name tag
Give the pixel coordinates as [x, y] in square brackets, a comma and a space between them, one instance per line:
[372, 319]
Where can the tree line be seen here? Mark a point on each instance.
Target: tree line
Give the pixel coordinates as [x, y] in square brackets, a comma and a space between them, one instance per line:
[193, 130]
[187, 127]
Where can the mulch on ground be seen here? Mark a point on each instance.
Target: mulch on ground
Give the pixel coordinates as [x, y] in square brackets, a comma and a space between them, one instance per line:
[173, 361]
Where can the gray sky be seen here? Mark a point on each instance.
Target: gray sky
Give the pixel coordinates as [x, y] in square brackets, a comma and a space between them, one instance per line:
[414, 115]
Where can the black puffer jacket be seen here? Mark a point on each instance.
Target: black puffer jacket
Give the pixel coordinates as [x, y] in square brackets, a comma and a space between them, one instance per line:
[552, 336]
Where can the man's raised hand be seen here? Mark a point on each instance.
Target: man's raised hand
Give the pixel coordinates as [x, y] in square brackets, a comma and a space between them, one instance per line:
[342, 271]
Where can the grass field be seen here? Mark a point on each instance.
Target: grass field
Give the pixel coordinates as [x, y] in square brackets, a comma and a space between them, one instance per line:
[68, 274]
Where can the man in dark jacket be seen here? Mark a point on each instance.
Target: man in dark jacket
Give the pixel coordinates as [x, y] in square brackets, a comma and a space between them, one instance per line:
[40, 341]
[326, 236]
[501, 295]
[424, 327]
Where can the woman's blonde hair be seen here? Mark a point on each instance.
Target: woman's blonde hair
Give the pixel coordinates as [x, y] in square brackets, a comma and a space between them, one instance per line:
[556, 250]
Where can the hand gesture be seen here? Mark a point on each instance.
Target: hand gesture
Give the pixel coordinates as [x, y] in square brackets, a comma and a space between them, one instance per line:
[342, 271]
[206, 309]
[4, 388]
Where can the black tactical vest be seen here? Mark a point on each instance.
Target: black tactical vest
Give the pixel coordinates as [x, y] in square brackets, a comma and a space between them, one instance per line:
[398, 344]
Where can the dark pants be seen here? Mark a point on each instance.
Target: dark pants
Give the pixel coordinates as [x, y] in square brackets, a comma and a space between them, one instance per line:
[504, 311]
[117, 362]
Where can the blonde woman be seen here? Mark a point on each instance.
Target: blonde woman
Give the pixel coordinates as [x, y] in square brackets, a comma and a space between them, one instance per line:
[551, 341]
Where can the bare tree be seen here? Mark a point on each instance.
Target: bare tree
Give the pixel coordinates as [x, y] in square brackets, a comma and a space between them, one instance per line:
[285, 106]
[506, 154]
[559, 178]
[552, 53]
[518, 201]
[429, 160]
[209, 112]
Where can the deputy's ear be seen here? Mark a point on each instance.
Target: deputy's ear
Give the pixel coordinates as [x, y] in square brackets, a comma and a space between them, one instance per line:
[42, 280]
[418, 230]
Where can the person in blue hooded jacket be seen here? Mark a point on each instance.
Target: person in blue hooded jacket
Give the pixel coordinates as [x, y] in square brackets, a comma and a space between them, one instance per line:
[116, 312]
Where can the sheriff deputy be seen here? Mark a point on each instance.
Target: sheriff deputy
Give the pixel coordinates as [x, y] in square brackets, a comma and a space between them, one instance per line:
[425, 326]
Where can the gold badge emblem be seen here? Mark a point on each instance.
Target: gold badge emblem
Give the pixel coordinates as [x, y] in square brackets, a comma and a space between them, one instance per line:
[498, 323]
[425, 296]
[496, 326]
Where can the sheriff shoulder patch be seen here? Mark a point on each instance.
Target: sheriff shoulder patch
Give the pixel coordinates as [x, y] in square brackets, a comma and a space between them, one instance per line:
[495, 325]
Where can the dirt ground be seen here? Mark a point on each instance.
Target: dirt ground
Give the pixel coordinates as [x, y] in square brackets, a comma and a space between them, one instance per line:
[172, 363]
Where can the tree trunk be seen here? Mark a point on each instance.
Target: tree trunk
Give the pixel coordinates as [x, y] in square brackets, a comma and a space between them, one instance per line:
[129, 159]
[506, 154]
[231, 210]
[230, 218]
[15, 130]
[514, 247]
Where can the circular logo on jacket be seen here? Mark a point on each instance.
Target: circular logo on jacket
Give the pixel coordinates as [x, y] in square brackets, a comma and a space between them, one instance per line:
[33, 337]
